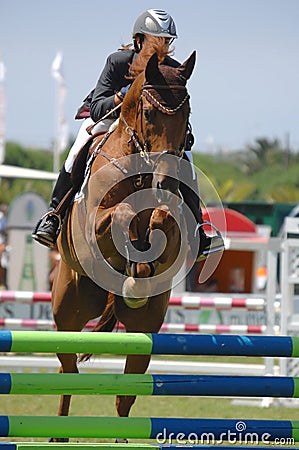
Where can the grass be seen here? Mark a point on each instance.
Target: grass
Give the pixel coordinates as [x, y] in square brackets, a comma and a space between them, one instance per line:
[147, 406]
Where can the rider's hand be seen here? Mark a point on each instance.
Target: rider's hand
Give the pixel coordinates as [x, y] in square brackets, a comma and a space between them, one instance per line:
[124, 90]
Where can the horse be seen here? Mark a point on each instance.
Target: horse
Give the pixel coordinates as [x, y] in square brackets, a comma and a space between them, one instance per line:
[53, 265]
[124, 238]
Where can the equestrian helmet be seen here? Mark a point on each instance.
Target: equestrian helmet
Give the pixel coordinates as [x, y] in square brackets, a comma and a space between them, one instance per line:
[155, 22]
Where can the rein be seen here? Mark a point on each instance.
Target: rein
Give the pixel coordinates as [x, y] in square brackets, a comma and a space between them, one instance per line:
[141, 149]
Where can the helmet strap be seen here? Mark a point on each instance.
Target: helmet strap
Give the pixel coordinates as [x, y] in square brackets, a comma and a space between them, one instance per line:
[138, 45]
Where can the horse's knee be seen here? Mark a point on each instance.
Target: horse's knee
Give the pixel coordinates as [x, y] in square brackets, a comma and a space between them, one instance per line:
[125, 217]
[162, 219]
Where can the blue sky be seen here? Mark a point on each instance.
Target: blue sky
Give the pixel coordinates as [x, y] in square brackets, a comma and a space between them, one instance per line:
[245, 83]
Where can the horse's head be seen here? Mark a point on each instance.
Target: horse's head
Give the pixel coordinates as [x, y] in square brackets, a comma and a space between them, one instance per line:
[160, 121]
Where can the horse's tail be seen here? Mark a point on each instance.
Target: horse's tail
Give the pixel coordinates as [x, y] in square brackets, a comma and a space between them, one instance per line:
[106, 323]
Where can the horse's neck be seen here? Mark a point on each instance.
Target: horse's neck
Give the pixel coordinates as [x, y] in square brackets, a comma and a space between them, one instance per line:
[115, 147]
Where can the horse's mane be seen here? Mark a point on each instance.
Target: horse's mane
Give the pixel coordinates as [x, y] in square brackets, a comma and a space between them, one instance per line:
[151, 45]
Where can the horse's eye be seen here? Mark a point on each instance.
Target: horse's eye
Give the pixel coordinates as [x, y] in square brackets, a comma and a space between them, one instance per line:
[148, 115]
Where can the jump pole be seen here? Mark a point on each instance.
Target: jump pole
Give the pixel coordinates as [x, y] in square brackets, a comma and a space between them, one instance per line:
[160, 429]
[91, 446]
[219, 303]
[147, 384]
[148, 344]
[83, 446]
[87, 446]
[165, 328]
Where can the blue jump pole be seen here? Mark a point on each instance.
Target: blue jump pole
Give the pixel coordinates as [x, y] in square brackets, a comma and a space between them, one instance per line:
[162, 430]
[148, 384]
[146, 344]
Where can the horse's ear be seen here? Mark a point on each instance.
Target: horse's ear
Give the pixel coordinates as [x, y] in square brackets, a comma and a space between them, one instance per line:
[187, 67]
[152, 71]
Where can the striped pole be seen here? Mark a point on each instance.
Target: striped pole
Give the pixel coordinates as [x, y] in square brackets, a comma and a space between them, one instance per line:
[132, 384]
[166, 327]
[146, 344]
[161, 429]
[219, 303]
[25, 296]
[185, 301]
[211, 328]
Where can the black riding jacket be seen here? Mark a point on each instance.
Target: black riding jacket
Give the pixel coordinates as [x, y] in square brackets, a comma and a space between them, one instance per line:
[113, 77]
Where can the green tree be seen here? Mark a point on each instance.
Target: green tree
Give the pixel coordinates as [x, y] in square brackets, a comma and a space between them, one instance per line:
[16, 155]
[263, 153]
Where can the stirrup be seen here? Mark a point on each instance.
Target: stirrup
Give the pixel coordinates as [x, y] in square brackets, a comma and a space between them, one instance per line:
[42, 239]
[48, 213]
[206, 222]
[206, 251]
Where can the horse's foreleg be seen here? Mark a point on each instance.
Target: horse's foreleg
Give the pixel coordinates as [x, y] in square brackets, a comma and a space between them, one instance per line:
[113, 226]
[134, 364]
[163, 220]
[172, 257]
[148, 319]
[73, 305]
[68, 365]
[125, 219]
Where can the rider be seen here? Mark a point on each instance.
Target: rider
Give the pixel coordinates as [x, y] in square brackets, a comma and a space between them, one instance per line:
[104, 100]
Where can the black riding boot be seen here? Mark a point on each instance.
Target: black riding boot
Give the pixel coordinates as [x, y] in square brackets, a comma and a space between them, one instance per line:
[207, 244]
[47, 229]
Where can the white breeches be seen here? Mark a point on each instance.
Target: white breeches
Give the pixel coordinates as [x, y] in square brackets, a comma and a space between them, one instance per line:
[82, 138]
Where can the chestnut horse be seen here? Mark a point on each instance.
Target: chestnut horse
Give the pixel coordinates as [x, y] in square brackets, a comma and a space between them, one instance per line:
[124, 238]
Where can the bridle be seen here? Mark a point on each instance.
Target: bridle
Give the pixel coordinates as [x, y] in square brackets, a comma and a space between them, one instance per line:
[149, 159]
[141, 145]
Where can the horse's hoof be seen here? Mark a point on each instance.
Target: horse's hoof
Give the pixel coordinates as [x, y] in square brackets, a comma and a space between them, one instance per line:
[59, 440]
[121, 441]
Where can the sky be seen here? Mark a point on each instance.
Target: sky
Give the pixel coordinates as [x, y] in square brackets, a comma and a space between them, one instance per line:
[245, 84]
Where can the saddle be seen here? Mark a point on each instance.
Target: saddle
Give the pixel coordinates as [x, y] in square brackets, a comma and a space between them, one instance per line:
[78, 173]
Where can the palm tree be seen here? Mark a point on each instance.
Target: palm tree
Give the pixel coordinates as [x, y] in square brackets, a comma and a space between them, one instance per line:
[262, 154]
